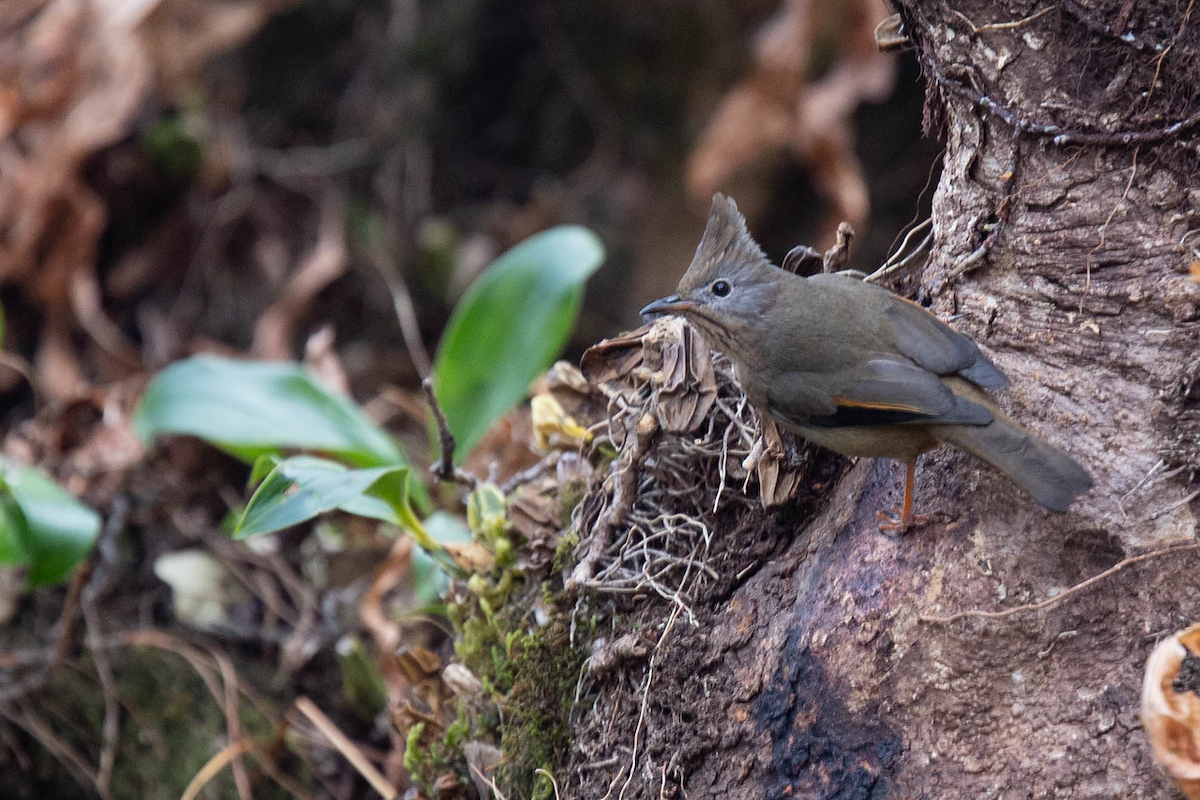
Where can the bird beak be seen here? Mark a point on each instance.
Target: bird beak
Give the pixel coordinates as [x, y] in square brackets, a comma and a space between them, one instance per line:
[671, 304]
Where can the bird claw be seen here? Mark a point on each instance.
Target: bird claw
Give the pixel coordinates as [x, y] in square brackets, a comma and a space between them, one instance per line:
[895, 522]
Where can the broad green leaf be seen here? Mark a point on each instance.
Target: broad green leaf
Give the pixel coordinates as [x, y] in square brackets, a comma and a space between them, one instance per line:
[510, 326]
[300, 488]
[43, 525]
[13, 532]
[255, 408]
[251, 408]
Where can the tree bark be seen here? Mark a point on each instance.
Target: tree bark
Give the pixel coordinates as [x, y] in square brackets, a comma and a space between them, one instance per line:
[819, 667]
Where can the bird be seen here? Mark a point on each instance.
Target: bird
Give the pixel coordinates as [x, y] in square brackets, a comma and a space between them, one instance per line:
[855, 368]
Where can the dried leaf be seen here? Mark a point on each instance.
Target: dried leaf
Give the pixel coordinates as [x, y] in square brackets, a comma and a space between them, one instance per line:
[535, 513]
[1172, 718]
[613, 359]
[74, 77]
[553, 428]
[777, 479]
[689, 385]
[776, 108]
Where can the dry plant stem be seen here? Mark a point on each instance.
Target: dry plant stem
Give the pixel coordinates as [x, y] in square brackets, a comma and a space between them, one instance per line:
[111, 728]
[233, 721]
[406, 313]
[66, 621]
[637, 733]
[625, 475]
[898, 260]
[213, 767]
[58, 747]
[1008, 612]
[836, 256]
[444, 467]
[1001, 26]
[346, 747]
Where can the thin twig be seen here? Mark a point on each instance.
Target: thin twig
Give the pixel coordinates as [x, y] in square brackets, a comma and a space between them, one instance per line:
[66, 620]
[1008, 612]
[111, 727]
[1001, 26]
[444, 468]
[624, 477]
[899, 260]
[406, 313]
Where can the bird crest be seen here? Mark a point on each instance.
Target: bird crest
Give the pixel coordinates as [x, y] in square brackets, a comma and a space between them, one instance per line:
[726, 247]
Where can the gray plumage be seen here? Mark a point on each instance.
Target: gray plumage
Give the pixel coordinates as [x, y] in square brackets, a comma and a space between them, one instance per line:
[852, 366]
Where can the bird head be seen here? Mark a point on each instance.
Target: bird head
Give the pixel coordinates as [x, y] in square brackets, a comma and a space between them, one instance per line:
[729, 286]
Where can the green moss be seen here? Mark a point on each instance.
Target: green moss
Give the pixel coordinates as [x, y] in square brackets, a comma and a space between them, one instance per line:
[564, 554]
[536, 711]
[529, 671]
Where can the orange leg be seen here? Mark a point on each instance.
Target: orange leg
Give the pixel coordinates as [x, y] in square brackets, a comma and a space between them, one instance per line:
[907, 517]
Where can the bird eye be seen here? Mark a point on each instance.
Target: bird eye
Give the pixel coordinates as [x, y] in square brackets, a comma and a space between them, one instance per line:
[720, 288]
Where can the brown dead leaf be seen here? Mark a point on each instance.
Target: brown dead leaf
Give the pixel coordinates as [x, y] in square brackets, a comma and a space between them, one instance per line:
[73, 77]
[1171, 713]
[322, 360]
[1194, 271]
[778, 108]
[777, 479]
[322, 265]
[535, 512]
[675, 359]
[613, 359]
[689, 385]
[471, 556]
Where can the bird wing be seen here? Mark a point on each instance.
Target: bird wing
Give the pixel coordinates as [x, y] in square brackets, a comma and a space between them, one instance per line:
[909, 330]
[934, 345]
[879, 391]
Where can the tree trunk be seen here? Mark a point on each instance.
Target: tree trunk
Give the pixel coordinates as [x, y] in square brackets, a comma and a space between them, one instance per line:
[815, 665]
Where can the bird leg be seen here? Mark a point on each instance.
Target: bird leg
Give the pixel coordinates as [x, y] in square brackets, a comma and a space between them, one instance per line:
[906, 518]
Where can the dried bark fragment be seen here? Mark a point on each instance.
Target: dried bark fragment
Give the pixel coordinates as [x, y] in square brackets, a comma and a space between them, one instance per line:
[1171, 709]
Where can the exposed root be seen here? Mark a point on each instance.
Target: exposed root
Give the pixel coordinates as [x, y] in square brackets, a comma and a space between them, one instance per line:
[652, 521]
[1058, 598]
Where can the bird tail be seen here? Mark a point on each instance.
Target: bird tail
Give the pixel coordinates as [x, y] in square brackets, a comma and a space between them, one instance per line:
[1038, 467]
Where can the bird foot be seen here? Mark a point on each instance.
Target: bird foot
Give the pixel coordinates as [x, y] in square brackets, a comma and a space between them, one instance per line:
[895, 521]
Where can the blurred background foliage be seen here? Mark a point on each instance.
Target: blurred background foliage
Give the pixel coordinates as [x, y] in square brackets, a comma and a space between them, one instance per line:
[321, 181]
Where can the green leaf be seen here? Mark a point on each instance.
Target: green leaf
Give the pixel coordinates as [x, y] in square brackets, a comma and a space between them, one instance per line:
[251, 408]
[510, 326]
[255, 408]
[42, 525]
[300, 488]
